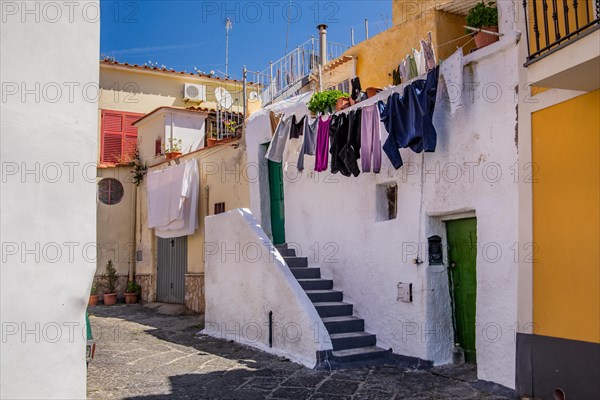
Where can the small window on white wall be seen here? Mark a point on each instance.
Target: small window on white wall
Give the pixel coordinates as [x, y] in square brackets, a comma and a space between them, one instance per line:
[158, 147]
[386, 201]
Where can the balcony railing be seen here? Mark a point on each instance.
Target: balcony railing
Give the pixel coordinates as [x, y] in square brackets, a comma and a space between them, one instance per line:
[553, 24]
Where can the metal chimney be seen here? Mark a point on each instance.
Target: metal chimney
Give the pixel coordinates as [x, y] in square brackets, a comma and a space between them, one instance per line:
[323, 43]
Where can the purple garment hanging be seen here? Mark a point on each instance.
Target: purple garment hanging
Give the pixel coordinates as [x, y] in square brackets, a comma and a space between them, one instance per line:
[370, 148]
[322, 153]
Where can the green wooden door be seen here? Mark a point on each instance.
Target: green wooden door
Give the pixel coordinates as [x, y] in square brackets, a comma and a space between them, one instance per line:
[462, 255]
[277, 202]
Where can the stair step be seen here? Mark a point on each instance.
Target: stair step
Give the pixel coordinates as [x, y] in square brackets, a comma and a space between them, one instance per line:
[296, 262]
[359, 354]
[319, 296]
[289, 253]
[344, 324]
[305, 272]
[316, 284]
[352, 340]
[333, 309]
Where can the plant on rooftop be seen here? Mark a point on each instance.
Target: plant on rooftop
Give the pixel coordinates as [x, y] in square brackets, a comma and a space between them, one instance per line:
[483, 15]
[139, 169]
[323, 102]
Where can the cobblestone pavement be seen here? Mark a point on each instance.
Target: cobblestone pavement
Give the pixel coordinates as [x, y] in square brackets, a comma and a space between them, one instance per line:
[144, 355]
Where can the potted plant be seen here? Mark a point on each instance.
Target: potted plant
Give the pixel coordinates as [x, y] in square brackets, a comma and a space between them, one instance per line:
[131, 292]
[94, 295]
[212, 140]
[484, 16]
[173, 148]
[324, 102]
[109, 282]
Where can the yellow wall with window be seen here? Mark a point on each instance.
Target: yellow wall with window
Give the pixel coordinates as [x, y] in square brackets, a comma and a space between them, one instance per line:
[566, 198]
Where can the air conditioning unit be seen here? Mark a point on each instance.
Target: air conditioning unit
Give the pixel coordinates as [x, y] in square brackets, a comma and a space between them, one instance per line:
[194, 92]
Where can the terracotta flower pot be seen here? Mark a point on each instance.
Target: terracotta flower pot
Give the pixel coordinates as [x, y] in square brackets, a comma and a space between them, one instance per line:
[372, 91]
[93, 300]
[210, 142]
[109, 299]
[130, 298]
[342, 102]
[483, 39]
[172, 155]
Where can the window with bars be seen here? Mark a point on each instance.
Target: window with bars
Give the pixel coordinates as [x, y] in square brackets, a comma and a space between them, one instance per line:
[219, 208]
[110, 191]
[119, 137]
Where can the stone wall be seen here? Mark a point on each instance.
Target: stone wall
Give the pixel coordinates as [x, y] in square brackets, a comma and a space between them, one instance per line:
[194, 292]
[146, 281]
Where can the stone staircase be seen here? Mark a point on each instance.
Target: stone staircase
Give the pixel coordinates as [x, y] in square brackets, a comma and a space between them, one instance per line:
[351, 344]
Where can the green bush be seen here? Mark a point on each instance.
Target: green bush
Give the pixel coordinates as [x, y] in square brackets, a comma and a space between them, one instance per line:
[323, 102]
[483, 15]
[133, 287]
[110, 278]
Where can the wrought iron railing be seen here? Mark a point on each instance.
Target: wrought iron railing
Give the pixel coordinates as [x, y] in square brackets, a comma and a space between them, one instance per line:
[553, 24]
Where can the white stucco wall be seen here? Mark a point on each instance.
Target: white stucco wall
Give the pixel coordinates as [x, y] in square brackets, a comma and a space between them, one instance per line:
[48, 147]
[246, 278]
[189, 127]
[332, 220]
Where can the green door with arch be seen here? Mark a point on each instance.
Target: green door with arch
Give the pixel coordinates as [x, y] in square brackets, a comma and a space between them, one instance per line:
[462, 257]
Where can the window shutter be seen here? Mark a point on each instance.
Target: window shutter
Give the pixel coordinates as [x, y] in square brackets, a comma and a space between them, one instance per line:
[130, 137]
[119, 137]
[112, 137]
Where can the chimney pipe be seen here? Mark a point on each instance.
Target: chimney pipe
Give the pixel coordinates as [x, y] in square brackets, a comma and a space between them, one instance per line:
[323, 43]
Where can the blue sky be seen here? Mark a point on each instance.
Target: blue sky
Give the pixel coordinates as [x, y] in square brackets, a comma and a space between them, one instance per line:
[187, 34]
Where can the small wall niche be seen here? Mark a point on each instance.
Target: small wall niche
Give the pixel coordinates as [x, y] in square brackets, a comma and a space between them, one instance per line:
[387, 201]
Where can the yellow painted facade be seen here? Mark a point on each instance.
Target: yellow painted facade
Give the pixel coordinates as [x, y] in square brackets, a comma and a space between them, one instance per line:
[566, 198]
[377, 57]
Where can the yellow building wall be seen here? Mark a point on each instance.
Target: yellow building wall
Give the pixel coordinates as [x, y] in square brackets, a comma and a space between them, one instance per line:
[223, 177]
[566, 198]
[114, 228]
[381, 54]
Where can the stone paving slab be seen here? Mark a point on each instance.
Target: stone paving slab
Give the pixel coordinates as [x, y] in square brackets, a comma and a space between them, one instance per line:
[144, 355]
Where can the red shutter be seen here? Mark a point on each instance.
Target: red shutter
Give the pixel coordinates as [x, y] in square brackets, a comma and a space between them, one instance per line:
[130, 137]
[119, 137]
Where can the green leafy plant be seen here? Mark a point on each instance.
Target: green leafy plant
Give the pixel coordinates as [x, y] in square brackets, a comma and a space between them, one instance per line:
[322, 102]
[133, 287]
[482, 15]
[173, 145]
[139, 169]
[110, 278]
[94, 290]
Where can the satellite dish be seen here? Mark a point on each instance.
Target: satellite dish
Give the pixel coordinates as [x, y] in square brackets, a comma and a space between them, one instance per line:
[223, 97]
[253, 96]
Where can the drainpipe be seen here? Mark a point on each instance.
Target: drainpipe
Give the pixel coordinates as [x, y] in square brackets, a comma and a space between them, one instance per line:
[133, 224]
[323, 43]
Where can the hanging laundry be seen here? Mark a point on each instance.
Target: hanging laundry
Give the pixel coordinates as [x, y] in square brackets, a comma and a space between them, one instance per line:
[412, 65]
[164, 203]
[322, 151]
[370, 139]
[404, 71]
[294, 145]
[275, 150]
[309, 141]
[274, 118]
[350, 152]
[451, 70]
[356, 89]
[409, 118]
[428, 53]
[188, 194]
[338, 135]
[420, 61]
[396, 80]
